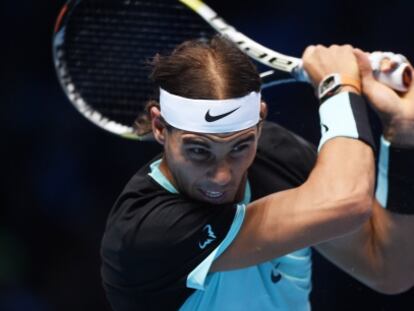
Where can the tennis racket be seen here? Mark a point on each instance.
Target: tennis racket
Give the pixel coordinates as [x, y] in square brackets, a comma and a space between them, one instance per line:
[102, 48]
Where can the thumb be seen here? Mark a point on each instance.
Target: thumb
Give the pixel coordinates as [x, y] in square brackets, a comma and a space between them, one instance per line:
[370, 85]
[379, 95]
[364, 65]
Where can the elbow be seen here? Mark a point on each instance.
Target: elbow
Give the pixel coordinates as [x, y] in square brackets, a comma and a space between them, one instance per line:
[358, 207]
[351, 212]
[362, 207]
[351, 202]
[345, 215]
[357, 199]
[361, 198]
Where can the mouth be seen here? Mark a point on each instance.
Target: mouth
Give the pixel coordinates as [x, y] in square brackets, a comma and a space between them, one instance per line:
[214, 196]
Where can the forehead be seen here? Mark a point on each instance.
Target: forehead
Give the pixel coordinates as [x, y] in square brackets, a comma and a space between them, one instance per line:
[219, 137]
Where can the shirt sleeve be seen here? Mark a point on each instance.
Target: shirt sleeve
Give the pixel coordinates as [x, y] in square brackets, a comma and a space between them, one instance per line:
[156, 240]
[197, 278]
[283, 161]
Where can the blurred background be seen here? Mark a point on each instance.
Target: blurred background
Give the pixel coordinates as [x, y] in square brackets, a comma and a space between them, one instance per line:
[61, 174]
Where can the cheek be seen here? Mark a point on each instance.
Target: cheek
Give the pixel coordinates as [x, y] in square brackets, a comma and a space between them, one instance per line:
[185, 172]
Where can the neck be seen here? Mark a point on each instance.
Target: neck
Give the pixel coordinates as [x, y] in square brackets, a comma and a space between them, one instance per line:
[167, 173]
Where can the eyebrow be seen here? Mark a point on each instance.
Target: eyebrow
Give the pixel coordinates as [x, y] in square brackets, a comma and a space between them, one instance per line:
[200, 142]
[248, 138]
[195, 141]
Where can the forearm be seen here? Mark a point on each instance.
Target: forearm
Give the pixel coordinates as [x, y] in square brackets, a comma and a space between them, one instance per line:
[378, 254]
[343, 176]
[382, 253]
[344, 169]
[315, 212]
[336, 199]
[395, 192]
[394, 246]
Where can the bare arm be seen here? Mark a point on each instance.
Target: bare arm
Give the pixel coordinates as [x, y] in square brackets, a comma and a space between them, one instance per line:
[334, 201]
[381, 254]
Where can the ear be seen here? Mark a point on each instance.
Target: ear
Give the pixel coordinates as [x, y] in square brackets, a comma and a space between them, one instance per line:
[263, 110]
[263, 115]
[158, 127]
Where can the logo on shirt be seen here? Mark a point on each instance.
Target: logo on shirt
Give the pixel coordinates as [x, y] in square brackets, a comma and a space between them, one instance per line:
[208, 230]
[325, 127]
[209, 118]
[275, 275]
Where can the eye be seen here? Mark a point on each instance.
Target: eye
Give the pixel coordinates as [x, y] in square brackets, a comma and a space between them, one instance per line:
[198, 150]
[198, 153]
[240, 148]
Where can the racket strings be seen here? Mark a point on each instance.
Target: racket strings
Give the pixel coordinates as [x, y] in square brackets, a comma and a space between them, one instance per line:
[108, 46]
[128, 27]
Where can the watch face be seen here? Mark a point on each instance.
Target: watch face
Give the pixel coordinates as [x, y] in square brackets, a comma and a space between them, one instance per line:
[329, 84]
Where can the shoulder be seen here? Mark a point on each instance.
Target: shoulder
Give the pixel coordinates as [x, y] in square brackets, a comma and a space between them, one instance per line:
[284, 160]
[279, 141]
[151, 230]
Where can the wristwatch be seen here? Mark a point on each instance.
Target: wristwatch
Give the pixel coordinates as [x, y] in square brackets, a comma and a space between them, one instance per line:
[333, 82]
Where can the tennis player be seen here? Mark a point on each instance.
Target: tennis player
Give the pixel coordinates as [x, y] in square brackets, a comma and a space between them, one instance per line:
[225, 217]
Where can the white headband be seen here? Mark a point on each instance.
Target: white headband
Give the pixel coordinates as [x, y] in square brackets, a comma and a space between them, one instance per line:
[210, 115]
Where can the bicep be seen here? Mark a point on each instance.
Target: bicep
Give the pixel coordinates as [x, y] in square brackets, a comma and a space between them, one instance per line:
[279, 224]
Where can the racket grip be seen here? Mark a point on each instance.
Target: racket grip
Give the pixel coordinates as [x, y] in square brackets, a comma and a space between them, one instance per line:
[398, 79]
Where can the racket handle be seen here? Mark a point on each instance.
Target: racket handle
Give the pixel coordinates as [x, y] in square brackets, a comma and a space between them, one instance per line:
[399, 79]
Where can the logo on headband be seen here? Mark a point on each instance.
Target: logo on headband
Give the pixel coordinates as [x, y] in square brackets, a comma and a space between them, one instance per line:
[209, 118]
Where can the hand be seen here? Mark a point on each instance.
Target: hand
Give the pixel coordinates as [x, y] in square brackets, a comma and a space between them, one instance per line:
[320, 61]
[396, 110]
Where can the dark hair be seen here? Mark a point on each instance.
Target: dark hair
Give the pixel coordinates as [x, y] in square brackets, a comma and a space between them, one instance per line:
[214, 69]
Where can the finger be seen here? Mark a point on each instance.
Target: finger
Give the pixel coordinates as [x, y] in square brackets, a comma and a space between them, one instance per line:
[364, 64]
[374, 90]
[410, 92]
[388, 65]
[308, 51]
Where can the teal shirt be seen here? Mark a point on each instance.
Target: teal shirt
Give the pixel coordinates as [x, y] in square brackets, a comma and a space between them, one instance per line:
[283, 283]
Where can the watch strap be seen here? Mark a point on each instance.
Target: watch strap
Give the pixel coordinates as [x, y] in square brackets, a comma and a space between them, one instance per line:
[332, 83]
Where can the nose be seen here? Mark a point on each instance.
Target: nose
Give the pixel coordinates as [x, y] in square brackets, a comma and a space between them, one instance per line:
[221, 174]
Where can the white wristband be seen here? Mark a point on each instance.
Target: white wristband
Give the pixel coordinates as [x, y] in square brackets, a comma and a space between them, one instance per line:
[345, 115]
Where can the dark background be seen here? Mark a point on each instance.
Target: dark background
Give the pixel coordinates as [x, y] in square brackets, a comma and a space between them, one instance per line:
[60, 174]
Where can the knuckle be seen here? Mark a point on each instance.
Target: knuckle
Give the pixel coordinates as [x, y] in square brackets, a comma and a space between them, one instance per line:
[310, 48]
[308, 51]
[348, 46]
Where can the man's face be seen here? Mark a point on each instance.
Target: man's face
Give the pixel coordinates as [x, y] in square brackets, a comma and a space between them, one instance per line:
[209, 167]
